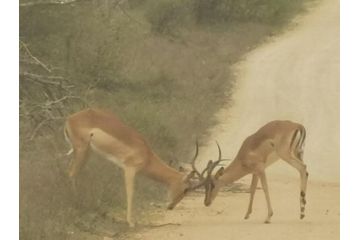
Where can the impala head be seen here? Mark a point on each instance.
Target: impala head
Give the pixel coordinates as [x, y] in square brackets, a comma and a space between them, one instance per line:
[212, 183]
[187, 184]
[212, 187]
[179, 190]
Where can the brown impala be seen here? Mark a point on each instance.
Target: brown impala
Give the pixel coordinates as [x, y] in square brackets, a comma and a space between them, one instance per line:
[275, 140]
[104, 133]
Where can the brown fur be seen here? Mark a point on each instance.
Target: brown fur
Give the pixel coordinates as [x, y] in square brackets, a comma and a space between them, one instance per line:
[276, 139]
[103, 132]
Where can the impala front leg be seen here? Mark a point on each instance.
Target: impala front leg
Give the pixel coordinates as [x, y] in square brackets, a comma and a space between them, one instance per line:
[263, 178]
[78, 161]
[130, 182]
[252, 192]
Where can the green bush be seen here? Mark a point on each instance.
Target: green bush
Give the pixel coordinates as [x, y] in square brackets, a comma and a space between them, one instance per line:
[165, 16]
[266, 11]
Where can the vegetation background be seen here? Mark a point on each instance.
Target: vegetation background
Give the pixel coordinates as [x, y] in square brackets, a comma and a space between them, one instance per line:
[161, 65]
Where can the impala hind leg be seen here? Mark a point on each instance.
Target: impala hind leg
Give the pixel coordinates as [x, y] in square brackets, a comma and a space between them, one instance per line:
[263, 179]
[252, 192]
[302, 168]
[130, 174]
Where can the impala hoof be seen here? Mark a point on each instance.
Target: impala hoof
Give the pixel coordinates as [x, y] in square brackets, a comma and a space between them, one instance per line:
[267, 221]
[302, 216]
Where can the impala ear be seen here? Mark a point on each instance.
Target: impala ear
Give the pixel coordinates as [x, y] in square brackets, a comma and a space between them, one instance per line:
[219, 173]
[181, 169]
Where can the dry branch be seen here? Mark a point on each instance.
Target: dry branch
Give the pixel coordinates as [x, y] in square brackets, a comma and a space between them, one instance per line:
[59, 2]
[41, 76]
[33, 57]
[61, 100]
[40, 125]
[163, 225]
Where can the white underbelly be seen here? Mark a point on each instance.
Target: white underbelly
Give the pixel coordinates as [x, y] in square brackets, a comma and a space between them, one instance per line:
[108, 156]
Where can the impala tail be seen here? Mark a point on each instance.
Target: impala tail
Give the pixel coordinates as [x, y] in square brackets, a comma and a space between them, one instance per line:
[297, 142]
[68, 141]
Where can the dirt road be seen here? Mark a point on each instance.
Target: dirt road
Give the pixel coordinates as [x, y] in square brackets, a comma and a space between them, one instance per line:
[225, 218]
[293, 76]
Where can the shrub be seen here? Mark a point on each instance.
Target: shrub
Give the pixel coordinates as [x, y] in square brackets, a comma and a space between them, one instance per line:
[266, 11]
[165, 16]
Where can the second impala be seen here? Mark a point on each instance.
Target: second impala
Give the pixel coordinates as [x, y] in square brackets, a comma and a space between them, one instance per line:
[275, 140]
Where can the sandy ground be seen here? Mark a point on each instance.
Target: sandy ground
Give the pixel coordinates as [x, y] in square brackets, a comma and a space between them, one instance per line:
[293, 76]
[225, 218]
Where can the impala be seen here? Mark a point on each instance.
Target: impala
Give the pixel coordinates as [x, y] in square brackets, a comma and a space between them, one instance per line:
[275, 140]
[102, 132]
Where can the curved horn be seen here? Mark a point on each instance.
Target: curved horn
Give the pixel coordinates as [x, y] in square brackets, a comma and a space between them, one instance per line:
[213, 166]
[219, 152]
[194, 161]
[202, 180]
[196, 154]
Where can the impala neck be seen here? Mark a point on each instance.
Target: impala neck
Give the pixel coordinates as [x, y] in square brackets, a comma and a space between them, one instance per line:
[161, 172]
[233, 172]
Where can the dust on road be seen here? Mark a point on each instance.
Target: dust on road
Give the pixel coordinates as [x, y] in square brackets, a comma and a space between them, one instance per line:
[294, 76]
[225, 218]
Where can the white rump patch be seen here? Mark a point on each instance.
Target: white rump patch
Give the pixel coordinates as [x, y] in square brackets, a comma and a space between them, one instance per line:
[69, 142]
[70, 152]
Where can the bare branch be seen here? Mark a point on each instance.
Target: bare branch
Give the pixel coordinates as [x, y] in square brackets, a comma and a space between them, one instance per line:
[163, 225]
[41, 125]
[61, 100]
[37, 128]
[58, 2]
[41, 78]
[33, 57]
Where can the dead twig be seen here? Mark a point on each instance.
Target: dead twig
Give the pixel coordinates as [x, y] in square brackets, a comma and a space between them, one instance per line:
[163, 225]
[56, 81]
[48, 2]
[33, 57]
[42, 124]
[47, 104]
[37, 128]
[42, 77]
